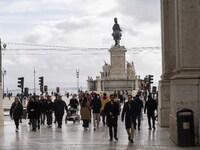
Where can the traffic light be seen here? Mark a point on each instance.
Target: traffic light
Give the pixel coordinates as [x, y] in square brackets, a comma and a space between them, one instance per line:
[150, 79]
[20, 82]
[57, 89]
[26, 91]
[45, 88]
[41, 81]
[154, 88]
[146, 79]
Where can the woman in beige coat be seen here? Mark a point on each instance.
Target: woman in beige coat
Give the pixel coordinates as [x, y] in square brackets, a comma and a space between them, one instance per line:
[85, 113]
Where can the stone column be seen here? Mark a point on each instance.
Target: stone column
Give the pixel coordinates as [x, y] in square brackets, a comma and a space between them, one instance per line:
[117, 58]
[168, 59]
[185, 82]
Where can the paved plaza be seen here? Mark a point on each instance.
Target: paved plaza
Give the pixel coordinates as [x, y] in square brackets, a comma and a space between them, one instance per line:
[73, 137]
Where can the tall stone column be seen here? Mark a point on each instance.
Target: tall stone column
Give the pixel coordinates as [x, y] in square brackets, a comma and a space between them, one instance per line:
[185, 82]
[168, 59]
[118, 61]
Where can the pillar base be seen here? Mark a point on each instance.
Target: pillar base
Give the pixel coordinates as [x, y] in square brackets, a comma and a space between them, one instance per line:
[184, 93]
[164, 103]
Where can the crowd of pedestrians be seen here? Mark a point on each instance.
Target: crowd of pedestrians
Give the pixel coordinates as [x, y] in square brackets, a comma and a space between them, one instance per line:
[93, 108]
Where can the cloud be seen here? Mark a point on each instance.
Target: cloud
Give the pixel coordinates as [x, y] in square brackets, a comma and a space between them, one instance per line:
[141, 11]
[76, 23]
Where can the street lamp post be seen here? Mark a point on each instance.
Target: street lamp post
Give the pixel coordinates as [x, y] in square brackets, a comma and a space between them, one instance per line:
[0, 69]
[3, 74]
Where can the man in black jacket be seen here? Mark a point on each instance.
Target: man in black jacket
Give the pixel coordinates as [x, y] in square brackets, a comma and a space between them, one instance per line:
[139, 104]
[130, 113]
[112, 111]
[59, 108]
[151, 107]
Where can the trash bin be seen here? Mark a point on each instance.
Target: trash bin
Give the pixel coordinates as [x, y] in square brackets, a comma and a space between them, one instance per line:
[185, 127]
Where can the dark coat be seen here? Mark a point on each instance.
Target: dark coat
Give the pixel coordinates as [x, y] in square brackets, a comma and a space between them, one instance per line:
[96, 105]
[43, 105]
[49, 106]
[59, 107]
[16, 110]
[114, 109]
[151, 106]
[130, 113]
[73, 103]
[33, 110]
[139, 104]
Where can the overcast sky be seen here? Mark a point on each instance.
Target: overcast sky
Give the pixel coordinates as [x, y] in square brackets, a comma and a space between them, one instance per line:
[81, 30]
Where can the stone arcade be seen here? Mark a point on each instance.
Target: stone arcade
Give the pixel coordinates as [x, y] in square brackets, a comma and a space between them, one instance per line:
[180, 83]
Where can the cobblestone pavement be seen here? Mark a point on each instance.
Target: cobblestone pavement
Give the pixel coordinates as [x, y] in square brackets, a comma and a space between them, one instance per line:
[73, 137]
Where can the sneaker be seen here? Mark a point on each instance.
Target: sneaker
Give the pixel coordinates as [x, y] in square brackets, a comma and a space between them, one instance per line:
[116, 138]
[17, 130]
[154, 128]
[110, 139]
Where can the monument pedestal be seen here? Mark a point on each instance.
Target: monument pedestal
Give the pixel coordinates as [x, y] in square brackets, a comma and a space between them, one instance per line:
[118, 61]
[118, 75]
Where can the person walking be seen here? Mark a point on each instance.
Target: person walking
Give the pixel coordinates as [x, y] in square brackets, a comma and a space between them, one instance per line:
[96, 107]
[33, 112]
[59, 108]
[16, 111]
[104, 100]
[85, 112]
[130, 112]
[43, 113]
[112, 111]
[140, 105]
[73, 102]
[49, 110]
[150, 106]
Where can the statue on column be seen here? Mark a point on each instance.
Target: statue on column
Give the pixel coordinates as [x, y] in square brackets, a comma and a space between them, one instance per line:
[116, 32]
